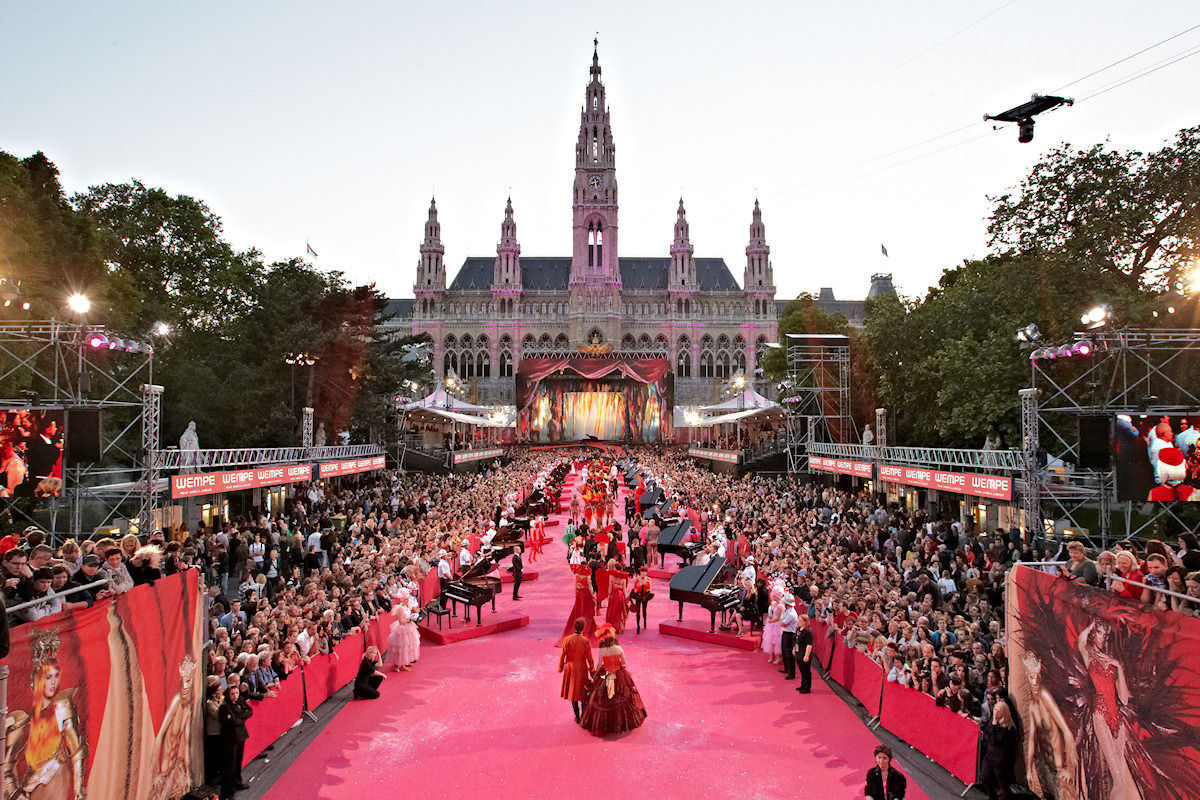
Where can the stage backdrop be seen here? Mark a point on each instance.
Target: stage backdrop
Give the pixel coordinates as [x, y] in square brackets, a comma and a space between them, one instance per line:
[573, 398]
[108, 700]
[1108, 691]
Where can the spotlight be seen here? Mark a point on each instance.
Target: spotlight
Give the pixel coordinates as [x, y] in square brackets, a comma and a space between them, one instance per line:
[1083, 347]
[1097, 317]
[161, 329]
[1030, 333]
[97, 341]
[1064, 352]
[79, 304]
[116, 344]
[9, 290]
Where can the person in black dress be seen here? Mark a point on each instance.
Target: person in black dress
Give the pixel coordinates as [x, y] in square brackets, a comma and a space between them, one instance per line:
[366, 683]
[1000, 743]
[804, 651]
[233, 714]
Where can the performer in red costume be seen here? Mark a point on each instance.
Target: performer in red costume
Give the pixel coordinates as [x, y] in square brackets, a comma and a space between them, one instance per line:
[618, 603]
[585, 603]
[613, 702]
[637, 495]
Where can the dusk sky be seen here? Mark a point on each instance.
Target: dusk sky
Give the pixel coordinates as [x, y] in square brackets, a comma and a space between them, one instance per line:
[334, 123]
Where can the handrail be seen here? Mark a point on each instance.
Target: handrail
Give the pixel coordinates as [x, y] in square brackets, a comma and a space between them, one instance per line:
[254, 456]
[55, 596]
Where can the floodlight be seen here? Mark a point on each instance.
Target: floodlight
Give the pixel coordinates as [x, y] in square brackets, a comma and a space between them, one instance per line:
[1097, 317]
[79, 304]
[96, 341]
[116, 344]
[1083, 347]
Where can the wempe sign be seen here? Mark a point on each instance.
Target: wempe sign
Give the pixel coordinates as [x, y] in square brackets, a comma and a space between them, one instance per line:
[201, 483]
[995, 487]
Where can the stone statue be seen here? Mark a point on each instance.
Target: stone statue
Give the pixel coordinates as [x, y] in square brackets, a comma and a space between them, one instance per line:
[992, 442]
[319, 436]
[868, 436]
[189, 440]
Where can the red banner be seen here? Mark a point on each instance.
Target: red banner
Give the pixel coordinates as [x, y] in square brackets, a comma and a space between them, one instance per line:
[860, 676]
[996, 487]
[859, 469]
[274, 716]
[201, 483]
[1109, 689]
[949, 739]
[331, 469]
[106, 701]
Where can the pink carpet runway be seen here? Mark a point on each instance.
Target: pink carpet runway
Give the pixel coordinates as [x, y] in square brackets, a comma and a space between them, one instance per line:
[483, 718]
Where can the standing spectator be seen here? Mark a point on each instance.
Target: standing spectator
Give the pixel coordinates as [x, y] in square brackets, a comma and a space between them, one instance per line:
[1000, 744]
[115, 573]
[233, 714]
[1080, 568]
[213, 749]
[788, 624]
[39, 589]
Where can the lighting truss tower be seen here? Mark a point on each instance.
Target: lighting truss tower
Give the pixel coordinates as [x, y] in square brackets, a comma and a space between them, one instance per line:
[816, 393]
[151, 422]
[1129, 371]
[55, 367]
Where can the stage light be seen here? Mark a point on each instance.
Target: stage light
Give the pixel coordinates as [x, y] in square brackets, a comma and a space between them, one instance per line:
[161, 329]
[116, 343]
[10, 291]
[1083, 347]
[1064, 352]
[1097, 317]
[79, 304]
[97, 341]
[1030, 333]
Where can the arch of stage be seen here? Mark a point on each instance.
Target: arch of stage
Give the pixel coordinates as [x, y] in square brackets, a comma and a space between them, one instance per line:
[583, 397]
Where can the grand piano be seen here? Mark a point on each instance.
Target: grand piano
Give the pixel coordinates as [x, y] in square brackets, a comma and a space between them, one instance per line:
[505, 542]
[696, 585]
[670, 540]
[474, 588]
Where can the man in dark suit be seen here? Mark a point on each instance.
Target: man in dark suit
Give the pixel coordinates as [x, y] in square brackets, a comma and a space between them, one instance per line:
[517, 568]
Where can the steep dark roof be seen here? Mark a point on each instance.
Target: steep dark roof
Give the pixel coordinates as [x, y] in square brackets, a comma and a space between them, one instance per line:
[400, 309]
[553, 274]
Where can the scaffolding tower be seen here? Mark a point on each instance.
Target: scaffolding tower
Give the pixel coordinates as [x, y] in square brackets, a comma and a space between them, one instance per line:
[816, 393]
[1128, 371]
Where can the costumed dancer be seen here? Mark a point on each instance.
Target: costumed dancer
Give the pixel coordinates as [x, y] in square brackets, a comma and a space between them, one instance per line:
[641, 597]
[575, 664]
[585, 601]
[574, 508]
[618, 603]
[613, 702]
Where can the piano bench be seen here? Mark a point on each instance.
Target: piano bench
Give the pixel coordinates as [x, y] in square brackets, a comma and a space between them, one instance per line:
[434, 608]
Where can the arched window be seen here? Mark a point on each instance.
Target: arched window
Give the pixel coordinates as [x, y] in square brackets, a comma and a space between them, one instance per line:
[450, 341]
[683, 366]
[660, 343]
[467, 341]
[706, 364]
[627, 342]
[561, 342]
[467, 365]
[483, 365]
[595, 336]
[528, 343]
[544, 342]
[644, 342]
[739, 361]
[506, 364]
[723, 365]
[684, 342]
[449, 363]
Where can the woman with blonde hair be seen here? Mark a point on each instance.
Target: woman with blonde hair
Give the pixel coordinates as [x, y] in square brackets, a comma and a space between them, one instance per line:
[1000, 743]
[366, 683]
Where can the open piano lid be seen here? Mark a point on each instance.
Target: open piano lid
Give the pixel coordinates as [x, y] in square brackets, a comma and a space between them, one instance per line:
[479, 569]
[672, 535]
[698, 578]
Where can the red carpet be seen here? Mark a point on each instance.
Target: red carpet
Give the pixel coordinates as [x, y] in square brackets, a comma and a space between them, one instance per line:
[483, 718]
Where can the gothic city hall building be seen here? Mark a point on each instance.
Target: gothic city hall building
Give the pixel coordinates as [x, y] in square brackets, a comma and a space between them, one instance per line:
[500, 309]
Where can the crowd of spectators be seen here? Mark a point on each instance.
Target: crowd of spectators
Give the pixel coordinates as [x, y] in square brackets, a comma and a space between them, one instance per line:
[921, 597]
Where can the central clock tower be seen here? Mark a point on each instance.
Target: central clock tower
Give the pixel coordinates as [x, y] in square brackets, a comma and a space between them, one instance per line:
[595, 283]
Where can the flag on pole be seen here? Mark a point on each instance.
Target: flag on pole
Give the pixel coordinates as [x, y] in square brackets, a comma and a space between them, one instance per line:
[313, 253]
[881, 247]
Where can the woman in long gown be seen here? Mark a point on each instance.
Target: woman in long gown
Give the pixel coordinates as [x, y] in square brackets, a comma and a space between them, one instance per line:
[613, 702]
[585, 603]
[618, 603]
[402, 649]
[772, 637]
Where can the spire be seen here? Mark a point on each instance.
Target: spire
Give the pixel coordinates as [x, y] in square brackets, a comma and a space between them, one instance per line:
[683, 265]
[759, 276]
[596, 59]
[506, 275]
[431, 272]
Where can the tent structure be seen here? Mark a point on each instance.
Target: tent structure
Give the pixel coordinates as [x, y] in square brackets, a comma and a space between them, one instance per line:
[748, 399]
[444, 401]
[424, 414]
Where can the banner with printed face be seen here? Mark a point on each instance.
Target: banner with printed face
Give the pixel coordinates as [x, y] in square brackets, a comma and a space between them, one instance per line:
[106, 702]
[1108, 690]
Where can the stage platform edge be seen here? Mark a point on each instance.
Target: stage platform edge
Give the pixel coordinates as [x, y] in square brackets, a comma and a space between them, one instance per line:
[463, 631]
[697, 630]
